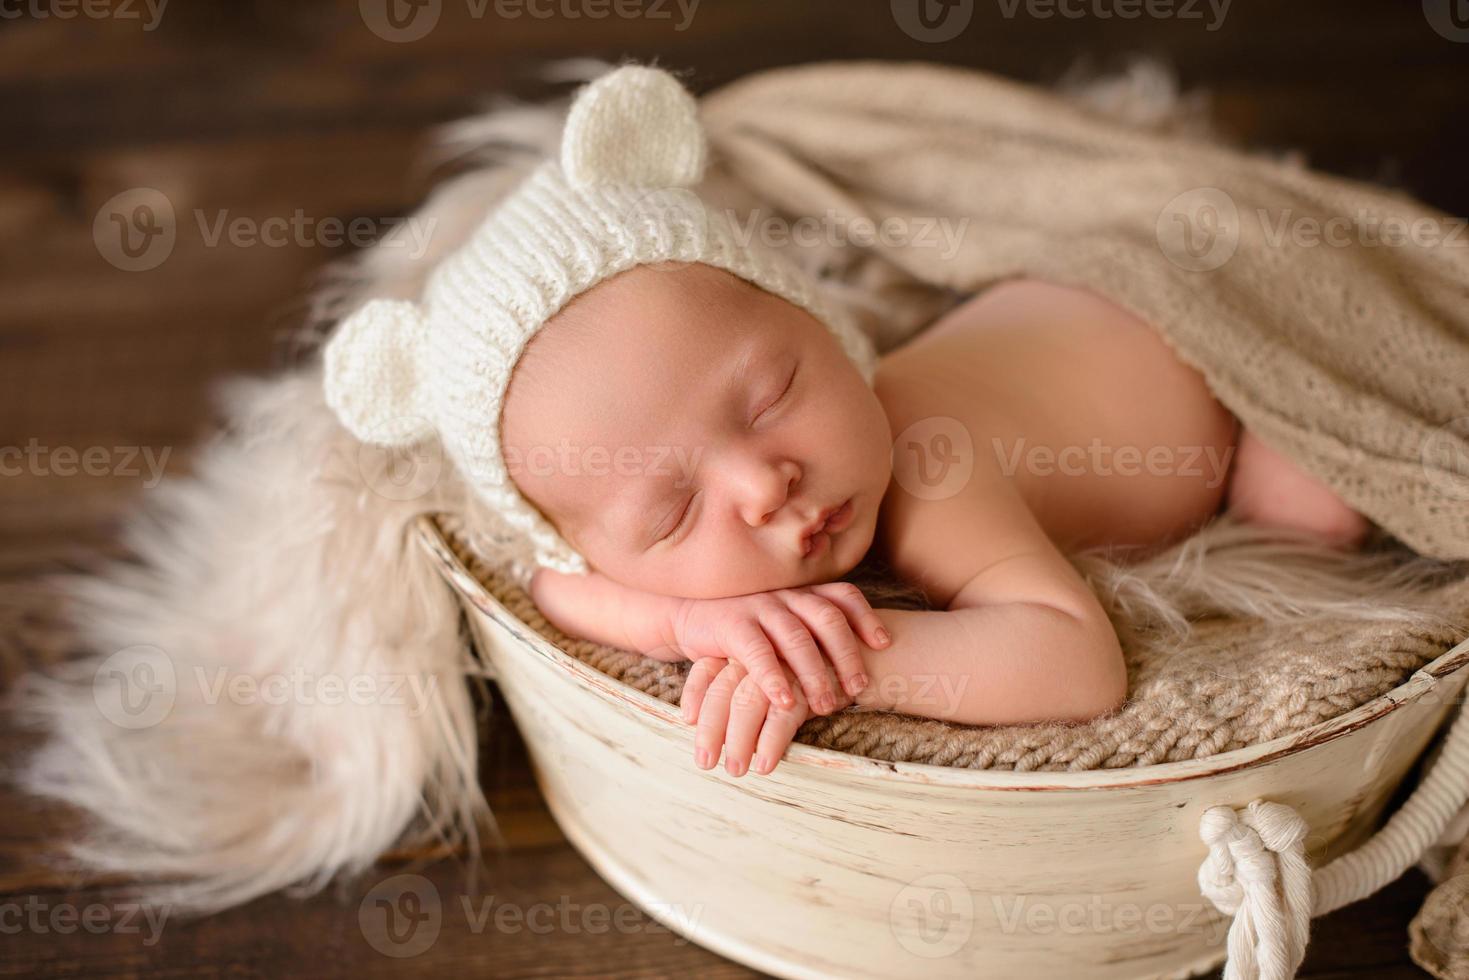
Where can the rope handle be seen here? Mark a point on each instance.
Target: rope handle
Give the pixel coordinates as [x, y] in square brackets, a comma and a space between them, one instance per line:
[1256, 868]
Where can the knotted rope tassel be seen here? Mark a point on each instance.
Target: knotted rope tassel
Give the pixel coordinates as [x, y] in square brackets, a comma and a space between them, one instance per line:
[1257, 871]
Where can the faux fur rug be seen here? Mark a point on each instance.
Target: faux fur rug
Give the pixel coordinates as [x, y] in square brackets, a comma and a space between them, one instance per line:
[1232, 638]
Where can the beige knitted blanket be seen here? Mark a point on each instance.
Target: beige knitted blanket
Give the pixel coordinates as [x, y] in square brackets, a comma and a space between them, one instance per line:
[1332, 317]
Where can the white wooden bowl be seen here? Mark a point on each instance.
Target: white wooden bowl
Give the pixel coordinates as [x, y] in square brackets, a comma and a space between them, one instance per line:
[837, 865]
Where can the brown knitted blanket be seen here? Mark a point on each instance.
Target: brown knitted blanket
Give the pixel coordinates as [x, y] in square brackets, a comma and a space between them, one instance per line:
[1231, 682]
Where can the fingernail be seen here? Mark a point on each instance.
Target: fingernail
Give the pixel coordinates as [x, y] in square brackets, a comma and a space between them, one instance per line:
[883, 636]
[825, 703]
[760, 765]
[784, 699]
[734, 767]
[701, 758]
[856, 683]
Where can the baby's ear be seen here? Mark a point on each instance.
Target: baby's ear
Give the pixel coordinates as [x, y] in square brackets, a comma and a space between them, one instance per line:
[372, 376]
[635, 125]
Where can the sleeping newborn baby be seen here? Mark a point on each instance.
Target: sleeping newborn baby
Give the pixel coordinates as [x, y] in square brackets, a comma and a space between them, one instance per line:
[798, 475]
[754, 450]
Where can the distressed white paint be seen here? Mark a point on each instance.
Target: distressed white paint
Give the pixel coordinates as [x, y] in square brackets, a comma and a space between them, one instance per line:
[841, 866]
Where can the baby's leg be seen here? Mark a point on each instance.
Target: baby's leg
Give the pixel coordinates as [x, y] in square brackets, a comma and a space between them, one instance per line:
[1267, 488]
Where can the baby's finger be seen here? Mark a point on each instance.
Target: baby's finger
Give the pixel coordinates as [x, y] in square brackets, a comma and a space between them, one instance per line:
[696, 685]
[748, 645]
[859, 612]
[800, 651]
[746, 716]
[714, 716]
[780, 727]
[828, 623]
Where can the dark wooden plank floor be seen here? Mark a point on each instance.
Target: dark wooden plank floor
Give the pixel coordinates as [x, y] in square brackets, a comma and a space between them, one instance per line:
[274, 109]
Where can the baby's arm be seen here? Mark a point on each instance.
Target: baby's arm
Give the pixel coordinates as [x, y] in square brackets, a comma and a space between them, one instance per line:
[1023, 638]
[759, 630]
[594, 607]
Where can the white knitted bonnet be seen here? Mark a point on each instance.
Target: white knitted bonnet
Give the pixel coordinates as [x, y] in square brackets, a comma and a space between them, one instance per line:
[398, 372]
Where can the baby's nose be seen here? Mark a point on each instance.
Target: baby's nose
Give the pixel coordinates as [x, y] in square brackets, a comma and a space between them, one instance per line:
[767, 486]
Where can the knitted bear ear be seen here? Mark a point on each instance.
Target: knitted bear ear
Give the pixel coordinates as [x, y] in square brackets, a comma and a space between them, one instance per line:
[372, 378]
[635, 125]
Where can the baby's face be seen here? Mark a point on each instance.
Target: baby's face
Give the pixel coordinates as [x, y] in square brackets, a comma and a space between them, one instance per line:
[684, 429]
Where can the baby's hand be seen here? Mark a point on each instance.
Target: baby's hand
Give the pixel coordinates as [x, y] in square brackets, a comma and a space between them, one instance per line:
[761, 630]
[735, 713]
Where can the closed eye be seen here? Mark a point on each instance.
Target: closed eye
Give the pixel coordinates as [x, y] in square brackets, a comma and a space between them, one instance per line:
[683, 519]
[790, 383]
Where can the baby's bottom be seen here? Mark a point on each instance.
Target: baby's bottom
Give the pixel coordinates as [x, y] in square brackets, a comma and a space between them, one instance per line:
[1267, 488]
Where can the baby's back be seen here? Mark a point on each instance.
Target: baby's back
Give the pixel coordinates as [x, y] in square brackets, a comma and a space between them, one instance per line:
[1106, 434]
